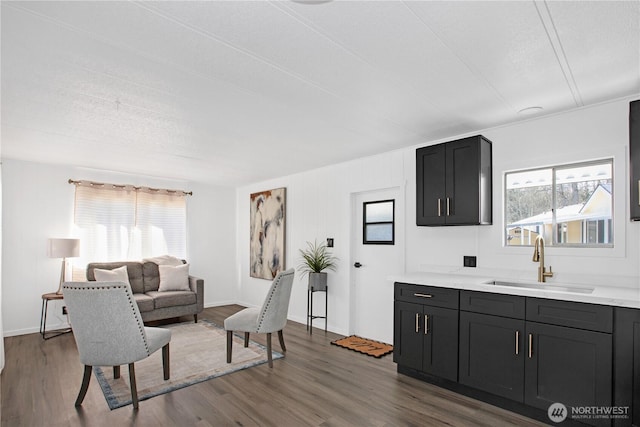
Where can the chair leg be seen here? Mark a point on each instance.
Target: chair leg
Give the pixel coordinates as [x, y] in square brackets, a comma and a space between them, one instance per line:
[229, 345]
[281, 338]
[85, 385]
[269, 356]
[246, 339]
[116, 372]
[195, 318]
[165, 361]
[134, 388]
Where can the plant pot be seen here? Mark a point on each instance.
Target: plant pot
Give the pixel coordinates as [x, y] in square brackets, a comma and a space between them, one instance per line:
[318, 281]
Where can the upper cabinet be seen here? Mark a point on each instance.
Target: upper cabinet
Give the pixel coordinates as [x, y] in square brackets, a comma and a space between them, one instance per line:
[453, 182]
[634, 158]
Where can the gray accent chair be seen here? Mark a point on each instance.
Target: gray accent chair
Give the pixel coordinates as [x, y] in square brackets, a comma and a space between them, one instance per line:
[108, 330]
[271, 317]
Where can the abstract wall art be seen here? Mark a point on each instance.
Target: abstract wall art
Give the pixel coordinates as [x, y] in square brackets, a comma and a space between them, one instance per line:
[268, 219]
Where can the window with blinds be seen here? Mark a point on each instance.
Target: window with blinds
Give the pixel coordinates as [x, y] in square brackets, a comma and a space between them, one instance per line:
[119, 223]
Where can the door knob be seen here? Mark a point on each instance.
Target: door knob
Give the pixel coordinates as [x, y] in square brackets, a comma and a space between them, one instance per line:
[357, 265]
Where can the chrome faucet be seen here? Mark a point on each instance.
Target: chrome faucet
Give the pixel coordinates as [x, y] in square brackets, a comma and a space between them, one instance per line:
[538, 256]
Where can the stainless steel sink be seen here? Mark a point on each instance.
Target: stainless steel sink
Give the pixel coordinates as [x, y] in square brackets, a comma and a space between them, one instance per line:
[543, 286]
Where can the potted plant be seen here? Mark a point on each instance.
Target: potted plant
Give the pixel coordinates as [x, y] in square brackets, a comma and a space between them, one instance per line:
[315, 259]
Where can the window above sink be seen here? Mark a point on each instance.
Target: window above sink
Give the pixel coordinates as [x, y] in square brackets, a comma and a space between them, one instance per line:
[570, 205]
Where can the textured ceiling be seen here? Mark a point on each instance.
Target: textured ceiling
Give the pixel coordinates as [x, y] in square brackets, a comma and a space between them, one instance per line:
[234, 92]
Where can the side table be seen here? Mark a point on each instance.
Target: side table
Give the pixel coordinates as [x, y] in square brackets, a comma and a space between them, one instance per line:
[310, 315]
[43, 316]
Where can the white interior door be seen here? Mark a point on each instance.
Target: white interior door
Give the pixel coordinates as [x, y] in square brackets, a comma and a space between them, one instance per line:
[372, 263]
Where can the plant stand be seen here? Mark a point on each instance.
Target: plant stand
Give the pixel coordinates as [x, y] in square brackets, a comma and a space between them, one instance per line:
[310, 315]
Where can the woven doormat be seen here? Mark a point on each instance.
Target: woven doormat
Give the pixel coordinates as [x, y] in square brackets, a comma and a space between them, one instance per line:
[364, 346]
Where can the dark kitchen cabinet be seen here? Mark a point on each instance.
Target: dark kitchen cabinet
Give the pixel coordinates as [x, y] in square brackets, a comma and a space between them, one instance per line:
[538, 351]
[568, 365]
[569, 355]
[627, 364]
[491, 354]
[634, 159]
[454, 183]
[426, 331]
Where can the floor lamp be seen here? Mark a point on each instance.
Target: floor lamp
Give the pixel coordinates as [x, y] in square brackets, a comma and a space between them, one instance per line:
[63, 248]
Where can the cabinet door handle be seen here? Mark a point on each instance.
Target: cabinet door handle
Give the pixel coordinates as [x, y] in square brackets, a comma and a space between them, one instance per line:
[417, 322]
[448, 207]
[517, 342]
[530, 346]
[439, 207]
[426, 324]
[639, 192]
[423, 295]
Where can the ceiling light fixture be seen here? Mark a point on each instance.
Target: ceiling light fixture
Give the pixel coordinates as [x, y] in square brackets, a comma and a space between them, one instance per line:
[530, 111]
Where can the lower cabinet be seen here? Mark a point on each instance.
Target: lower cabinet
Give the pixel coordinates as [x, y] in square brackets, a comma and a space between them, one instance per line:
[492, 354]
[570, 366]
[427, 339]
[531, 351]
[627, 364]
[426, 335]
[537, 363]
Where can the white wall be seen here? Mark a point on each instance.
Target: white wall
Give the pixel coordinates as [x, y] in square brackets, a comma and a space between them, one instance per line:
[38, 204]
[318, 206]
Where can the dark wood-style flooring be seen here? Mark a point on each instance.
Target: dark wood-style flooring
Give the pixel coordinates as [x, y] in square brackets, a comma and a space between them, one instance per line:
[316, 384]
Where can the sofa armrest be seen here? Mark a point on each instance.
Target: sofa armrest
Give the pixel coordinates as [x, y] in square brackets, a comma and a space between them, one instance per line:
[197, 285]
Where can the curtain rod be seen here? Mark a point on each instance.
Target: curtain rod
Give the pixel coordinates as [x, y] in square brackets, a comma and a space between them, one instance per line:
[129, 187]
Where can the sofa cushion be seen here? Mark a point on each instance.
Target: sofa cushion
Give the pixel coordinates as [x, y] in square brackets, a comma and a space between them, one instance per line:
[172, 298]
[145, 302]
[134, 270]
[151, 276]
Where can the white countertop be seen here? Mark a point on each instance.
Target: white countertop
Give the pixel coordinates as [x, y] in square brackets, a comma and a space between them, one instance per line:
[606, 295]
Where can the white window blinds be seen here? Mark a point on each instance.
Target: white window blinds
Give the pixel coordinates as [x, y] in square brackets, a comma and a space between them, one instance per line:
[118, 223]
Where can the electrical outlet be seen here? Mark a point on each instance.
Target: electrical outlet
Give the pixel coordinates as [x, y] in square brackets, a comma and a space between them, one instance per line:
[329, 242]
[64, 309]
[469, 261]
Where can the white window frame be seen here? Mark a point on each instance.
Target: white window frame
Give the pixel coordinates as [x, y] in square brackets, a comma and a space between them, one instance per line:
[620, 204]
[553, 239]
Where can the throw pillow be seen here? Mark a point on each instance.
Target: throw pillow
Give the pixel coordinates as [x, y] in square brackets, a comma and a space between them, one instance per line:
[174, 278]
[164, 260]
[119, 274]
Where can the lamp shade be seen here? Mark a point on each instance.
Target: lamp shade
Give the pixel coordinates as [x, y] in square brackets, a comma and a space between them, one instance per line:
[64, 248]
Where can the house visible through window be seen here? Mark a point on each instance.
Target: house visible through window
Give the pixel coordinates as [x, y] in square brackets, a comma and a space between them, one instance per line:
[378, 222]
[569, 205]
[119, 223]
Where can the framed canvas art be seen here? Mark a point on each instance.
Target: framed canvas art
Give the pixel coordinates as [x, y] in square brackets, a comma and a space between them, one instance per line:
[267, 235]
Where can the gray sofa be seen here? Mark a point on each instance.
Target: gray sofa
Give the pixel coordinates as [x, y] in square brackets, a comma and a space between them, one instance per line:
[153, 305]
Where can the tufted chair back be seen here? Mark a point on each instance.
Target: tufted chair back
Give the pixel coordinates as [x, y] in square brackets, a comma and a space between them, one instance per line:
[273, 314]
[107, 325]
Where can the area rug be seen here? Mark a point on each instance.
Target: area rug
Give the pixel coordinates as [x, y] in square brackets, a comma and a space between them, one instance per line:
[364, 346]
[197, 354]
